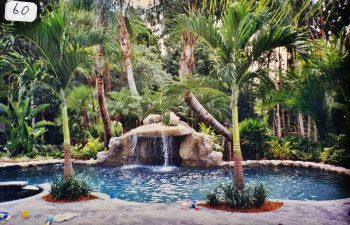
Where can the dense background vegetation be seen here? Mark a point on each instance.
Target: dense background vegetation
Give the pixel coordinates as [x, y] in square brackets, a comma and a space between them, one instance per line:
[78, 55]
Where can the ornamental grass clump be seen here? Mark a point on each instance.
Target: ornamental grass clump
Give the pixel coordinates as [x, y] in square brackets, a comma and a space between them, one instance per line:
[229, 194]
[70, 189]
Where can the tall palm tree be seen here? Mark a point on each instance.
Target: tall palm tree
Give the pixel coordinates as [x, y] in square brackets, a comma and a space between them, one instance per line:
[102, 7]
[125, 44]
[248, 31]
[63, 55]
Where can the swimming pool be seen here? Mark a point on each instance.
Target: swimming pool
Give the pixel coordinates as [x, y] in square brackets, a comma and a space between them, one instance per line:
[171, 184]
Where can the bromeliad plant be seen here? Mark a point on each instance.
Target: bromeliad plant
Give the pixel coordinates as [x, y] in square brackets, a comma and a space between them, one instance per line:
[70, 189]
[251, 197]
[248, 30]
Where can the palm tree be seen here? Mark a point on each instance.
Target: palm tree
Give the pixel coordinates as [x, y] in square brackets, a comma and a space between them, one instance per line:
[248, 31]
[102, 8]
[63, 55]
[125, 44]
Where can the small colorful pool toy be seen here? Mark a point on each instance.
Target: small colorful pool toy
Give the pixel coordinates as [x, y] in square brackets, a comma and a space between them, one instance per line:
[4, 216]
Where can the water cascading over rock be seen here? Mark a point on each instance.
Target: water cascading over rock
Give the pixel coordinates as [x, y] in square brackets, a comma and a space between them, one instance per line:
[157, 144]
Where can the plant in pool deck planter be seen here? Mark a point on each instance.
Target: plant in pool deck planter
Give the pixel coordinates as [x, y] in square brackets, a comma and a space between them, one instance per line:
[260, 195]
[72, 188]
[213, 198]
[250, 197]
[254, 135]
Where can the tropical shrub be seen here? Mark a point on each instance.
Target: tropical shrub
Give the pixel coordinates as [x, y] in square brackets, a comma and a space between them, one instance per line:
[280, 149]
[236, 198]
[216, 138]
[90, 150]
[338, 154]
[254, 135]
[72, 188]
[304, 148]
[96, 130]
[21, 131]
[213, 197]
[260, 195]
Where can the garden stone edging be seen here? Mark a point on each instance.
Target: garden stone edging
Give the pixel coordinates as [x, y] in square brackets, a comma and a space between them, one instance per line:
[302, 164]
[313, 165]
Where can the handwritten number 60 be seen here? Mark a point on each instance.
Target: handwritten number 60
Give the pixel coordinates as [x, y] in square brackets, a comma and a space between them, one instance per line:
[24, 11]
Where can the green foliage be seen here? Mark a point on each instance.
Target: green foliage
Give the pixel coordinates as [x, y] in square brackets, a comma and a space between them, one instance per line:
[213, 197]
[166, 119]
[254, 135]
[148, 68]
[260, 194]
[123, 104]
[280, 149]
[71, 189]
[22, 135]
[89, 151]
[216, 138]
[242, 199]
[304, 148]
[338, 154]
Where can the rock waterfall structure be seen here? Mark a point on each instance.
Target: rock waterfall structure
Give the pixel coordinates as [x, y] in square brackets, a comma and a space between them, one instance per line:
[157, 144]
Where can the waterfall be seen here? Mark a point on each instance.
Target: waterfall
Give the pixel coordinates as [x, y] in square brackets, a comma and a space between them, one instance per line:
[133, 157]
[166, 149]
[151, 150]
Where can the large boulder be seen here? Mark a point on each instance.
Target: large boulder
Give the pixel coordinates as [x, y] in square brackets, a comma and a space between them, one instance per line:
[197, 150]
[152, 118]
[173, 119]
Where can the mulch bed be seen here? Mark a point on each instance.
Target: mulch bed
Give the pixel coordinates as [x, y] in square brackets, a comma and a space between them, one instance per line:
[266, 207]
[49, 198]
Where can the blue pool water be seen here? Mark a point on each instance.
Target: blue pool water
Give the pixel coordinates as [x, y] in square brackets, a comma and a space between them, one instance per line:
[171, 184]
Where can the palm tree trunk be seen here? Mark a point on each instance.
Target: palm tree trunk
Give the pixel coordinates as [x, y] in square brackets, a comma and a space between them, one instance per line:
[68, 166]
[315, 131]
[187, 59]
[86, 119]
[103, 110]
[301, 124]
[237, 154]
[122, 74]
[108, 78]
[124, 41]
[185, 68]
[278, 120]
[204, 115]
[308, 127]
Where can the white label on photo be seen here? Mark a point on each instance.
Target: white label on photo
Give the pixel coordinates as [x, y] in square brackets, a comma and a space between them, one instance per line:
[20, 11]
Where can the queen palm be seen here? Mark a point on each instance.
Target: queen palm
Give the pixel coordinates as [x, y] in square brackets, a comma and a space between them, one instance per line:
[248, 30]
[62, 55]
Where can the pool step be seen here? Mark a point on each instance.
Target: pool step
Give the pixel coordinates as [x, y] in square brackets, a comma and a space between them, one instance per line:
[13, 185]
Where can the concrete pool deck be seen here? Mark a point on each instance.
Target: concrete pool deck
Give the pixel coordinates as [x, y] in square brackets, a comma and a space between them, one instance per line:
[106, 211]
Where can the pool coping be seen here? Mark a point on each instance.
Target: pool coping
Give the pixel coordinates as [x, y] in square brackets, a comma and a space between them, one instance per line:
[287, 163]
